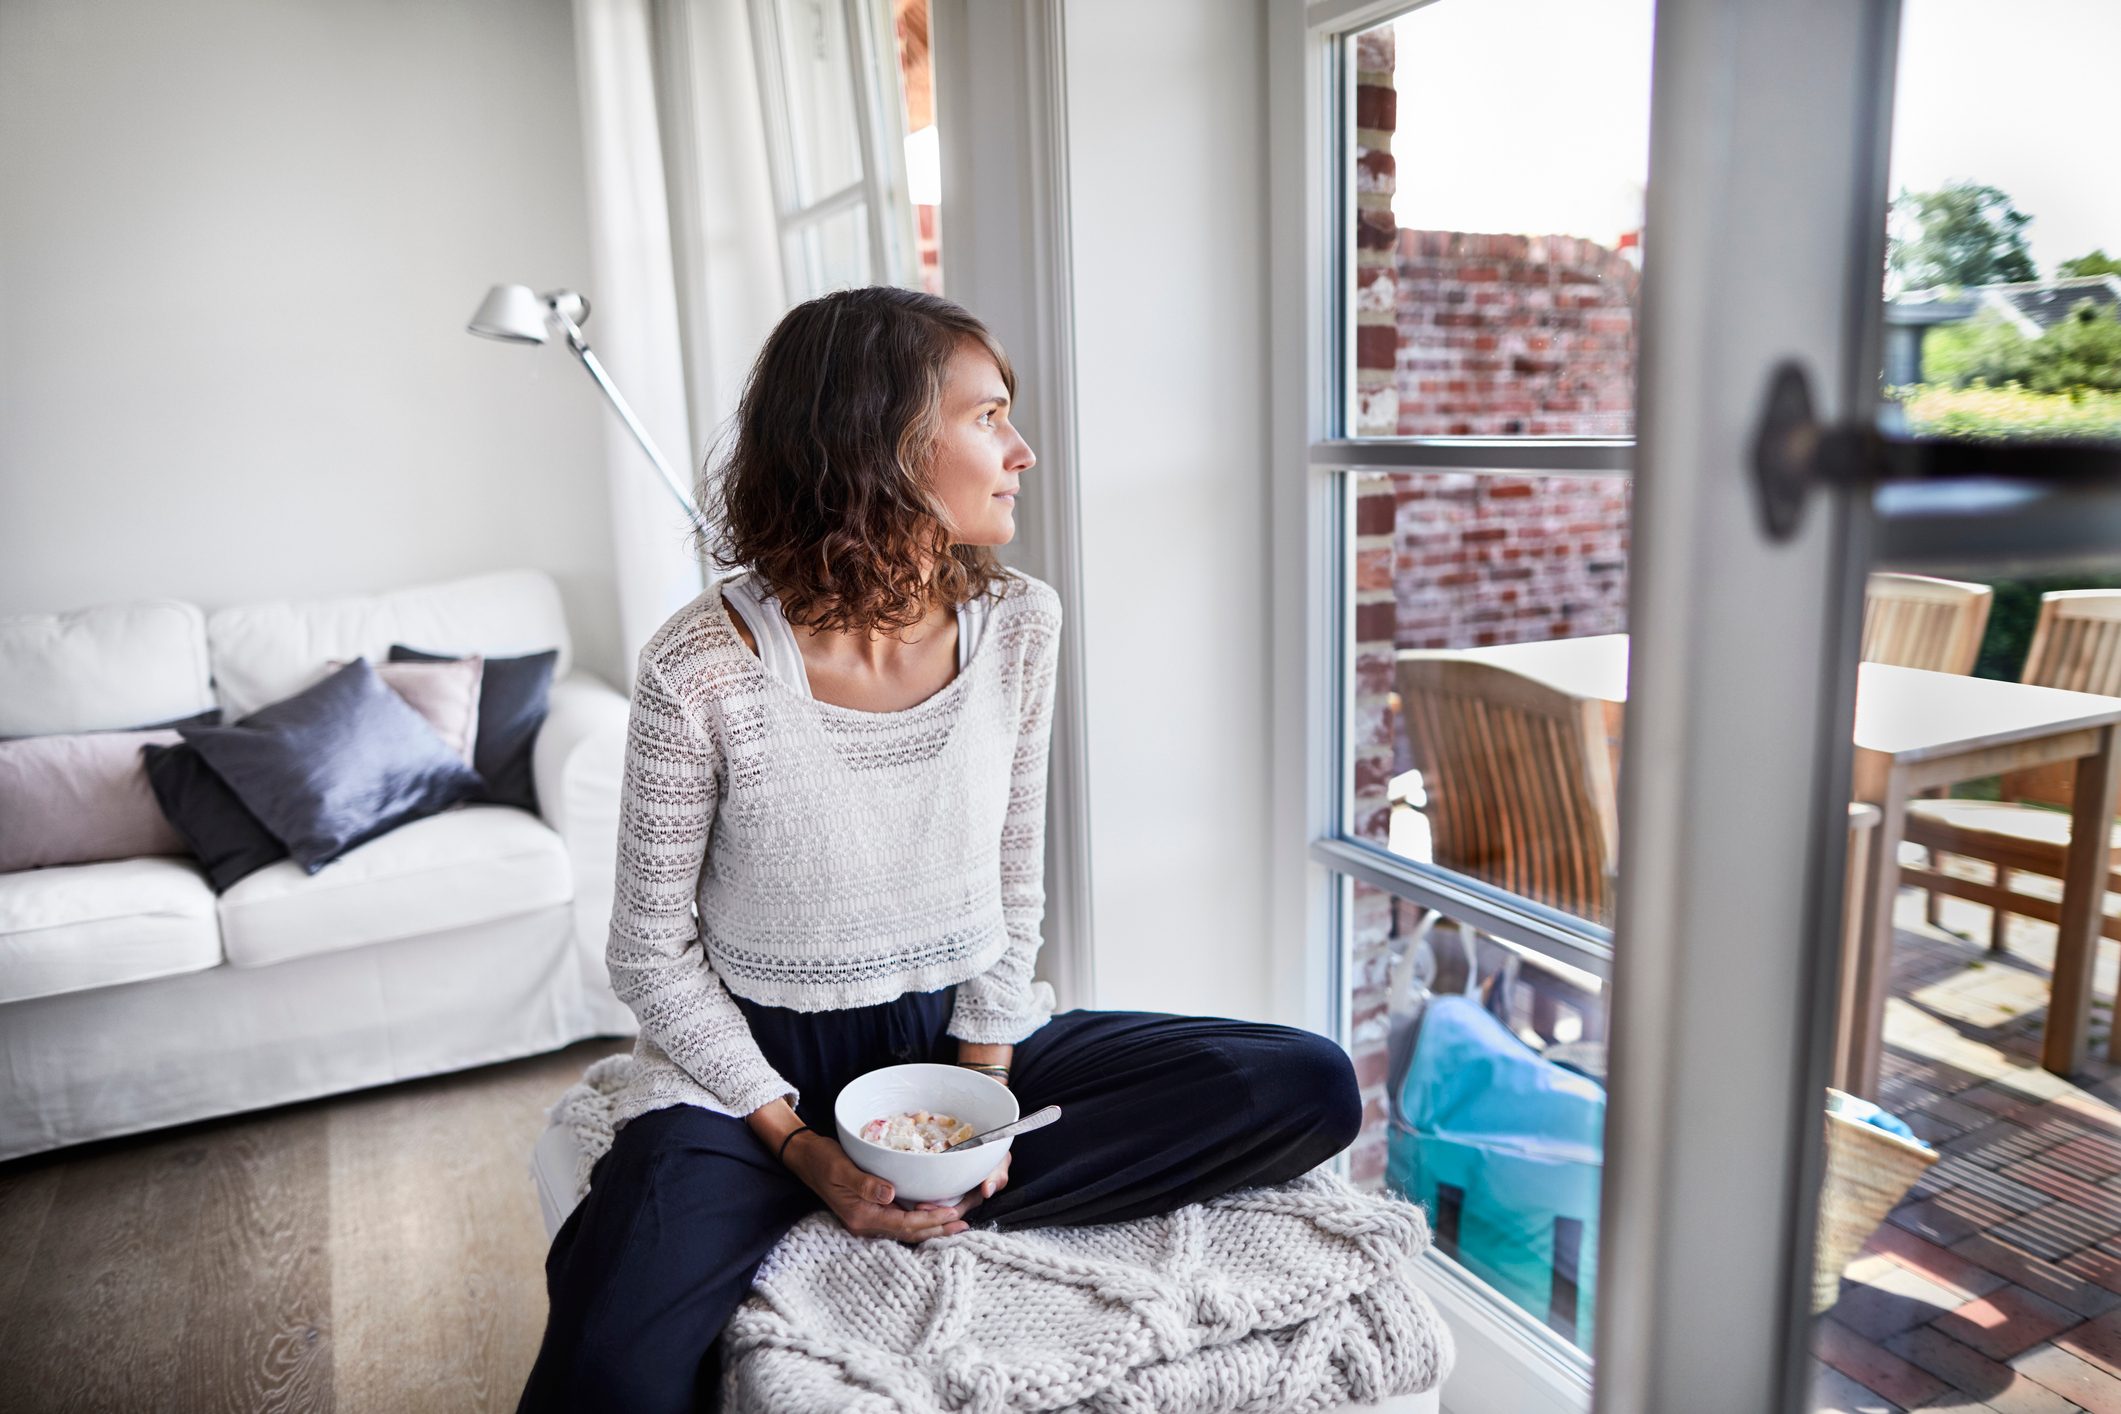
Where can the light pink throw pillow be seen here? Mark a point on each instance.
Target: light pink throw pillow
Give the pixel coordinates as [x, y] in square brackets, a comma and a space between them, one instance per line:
[80, 799]
[446, 694]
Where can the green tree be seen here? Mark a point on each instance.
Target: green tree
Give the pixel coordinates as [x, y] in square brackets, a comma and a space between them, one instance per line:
[2083, 351]
[2097, 263]
[2079, 354]
[1986, 349]
[1961, 234]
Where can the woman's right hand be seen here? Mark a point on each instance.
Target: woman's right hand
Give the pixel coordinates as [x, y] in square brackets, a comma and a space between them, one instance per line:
[862, 1201]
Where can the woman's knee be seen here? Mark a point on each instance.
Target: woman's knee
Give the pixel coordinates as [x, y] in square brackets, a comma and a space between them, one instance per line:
[1310, 1080]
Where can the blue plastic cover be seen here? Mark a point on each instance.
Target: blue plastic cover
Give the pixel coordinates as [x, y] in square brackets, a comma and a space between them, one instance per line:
[1520, 1139]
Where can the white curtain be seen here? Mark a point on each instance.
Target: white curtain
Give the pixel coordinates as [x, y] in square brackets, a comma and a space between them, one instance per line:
[730, 288]
[635, 328]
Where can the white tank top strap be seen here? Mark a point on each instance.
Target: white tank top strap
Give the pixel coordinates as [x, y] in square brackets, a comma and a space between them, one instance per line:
[769, 626]
[779, 653]
[971, 623]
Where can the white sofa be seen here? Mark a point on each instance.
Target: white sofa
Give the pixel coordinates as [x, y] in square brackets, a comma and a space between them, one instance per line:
[131, 997]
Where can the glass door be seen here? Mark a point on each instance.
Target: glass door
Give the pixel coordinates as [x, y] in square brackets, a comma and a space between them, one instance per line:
[1709, 713]
[1969, 1255]
[1862, 1135]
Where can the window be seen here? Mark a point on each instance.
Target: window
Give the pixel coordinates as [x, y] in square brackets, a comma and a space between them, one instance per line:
[1478, 446]
[850, 140]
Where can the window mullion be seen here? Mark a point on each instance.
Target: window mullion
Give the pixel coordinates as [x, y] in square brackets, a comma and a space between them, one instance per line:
[1574, 942]
[1504, 456]
[845, 199]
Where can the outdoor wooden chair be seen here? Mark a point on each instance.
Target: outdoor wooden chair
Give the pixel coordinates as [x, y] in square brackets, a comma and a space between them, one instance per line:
[1912, 621]
[1518, 779]
[2076, 645]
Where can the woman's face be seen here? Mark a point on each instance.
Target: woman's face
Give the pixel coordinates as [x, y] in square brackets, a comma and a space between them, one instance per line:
[980, 458]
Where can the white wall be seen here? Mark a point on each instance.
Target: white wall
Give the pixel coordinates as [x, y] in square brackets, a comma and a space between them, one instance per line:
[1166, 107]
[238, 243]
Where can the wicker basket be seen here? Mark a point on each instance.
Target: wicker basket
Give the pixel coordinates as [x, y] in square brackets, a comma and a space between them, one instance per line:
[1867, 1171]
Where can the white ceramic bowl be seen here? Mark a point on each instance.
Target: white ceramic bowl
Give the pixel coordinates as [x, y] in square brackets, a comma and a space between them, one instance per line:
[976, 1099]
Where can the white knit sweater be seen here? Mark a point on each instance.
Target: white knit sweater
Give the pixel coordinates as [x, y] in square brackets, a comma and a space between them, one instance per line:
[836, 857]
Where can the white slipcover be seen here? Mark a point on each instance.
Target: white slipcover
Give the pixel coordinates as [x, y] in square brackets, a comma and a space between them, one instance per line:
[102, 669]
[469, 937]
[118, 1060]
[80, 926]
[471, 865]
[264, 652]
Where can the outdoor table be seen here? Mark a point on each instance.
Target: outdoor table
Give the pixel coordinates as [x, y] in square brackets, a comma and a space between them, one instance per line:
[1915, 731]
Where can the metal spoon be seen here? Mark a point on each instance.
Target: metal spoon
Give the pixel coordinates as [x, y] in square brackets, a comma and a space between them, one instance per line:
[1037, 1119]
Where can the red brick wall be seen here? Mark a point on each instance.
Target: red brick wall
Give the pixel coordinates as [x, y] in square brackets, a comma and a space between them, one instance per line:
[1375, 613]
[1504, 336]
[1508, 559]
[929, 247]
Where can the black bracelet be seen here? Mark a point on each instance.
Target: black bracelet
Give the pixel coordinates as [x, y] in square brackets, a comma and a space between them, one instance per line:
[781, 1154]
[988, 1069]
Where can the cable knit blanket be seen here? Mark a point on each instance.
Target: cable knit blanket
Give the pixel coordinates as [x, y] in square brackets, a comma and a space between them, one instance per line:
[1292, 1298]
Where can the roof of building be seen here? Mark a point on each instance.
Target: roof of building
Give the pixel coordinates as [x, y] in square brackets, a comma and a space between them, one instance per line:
[2048, 302]
[2034, 306]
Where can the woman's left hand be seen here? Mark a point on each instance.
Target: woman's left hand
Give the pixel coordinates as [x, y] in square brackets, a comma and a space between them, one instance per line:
[973, 1053]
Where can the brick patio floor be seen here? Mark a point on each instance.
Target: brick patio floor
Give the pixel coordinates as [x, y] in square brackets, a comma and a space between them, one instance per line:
[1996, 1284]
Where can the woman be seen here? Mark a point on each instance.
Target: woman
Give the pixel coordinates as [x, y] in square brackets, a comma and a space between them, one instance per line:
[838, 757]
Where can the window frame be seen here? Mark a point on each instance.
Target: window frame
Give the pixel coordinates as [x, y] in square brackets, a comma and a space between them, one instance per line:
[1333, 453]
[881, 192]
[1509, 1357]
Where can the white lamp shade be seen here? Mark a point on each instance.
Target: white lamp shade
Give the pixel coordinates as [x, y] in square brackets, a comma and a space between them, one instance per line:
[511, 312]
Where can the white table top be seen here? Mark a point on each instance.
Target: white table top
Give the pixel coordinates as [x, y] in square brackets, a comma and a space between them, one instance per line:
[1905, 713]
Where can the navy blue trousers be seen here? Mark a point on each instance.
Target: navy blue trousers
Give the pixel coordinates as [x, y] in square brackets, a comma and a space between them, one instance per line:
[1158, 1112]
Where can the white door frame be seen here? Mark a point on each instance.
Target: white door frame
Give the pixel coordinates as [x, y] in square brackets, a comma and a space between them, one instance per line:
[1765, 242]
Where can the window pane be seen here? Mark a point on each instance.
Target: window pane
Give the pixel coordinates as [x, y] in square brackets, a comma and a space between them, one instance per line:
[1488, 1109]
[2003, 269]
[1498, 168]
[1488, 664]
[2001, 288]
[832, 253]
[924, 177]
[824, 136]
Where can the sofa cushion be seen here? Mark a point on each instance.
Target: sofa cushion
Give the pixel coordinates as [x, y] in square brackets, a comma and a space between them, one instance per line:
[96, 925]
[229, 842]
[513, 697]
[264, 652]
[79, 799]
[466, 866]
[117, 666]
[336, 765]
[445, 693]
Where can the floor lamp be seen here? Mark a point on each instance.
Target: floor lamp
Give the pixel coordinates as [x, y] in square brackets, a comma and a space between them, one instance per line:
[514, 314]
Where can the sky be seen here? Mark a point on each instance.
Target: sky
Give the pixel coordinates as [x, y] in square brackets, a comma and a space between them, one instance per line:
[1556, 141]
[2021, 97]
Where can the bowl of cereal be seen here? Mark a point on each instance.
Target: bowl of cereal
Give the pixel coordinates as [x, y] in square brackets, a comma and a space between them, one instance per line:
[895, 1122]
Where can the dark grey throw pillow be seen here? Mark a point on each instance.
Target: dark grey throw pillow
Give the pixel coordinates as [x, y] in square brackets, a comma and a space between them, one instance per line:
[513, 696]
[336, 765]
[227, 838]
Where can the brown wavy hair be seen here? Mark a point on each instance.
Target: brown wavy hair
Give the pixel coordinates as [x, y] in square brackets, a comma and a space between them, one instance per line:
[824, 490]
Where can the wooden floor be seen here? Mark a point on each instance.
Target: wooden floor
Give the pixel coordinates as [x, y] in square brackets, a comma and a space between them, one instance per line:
[377, 1251]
